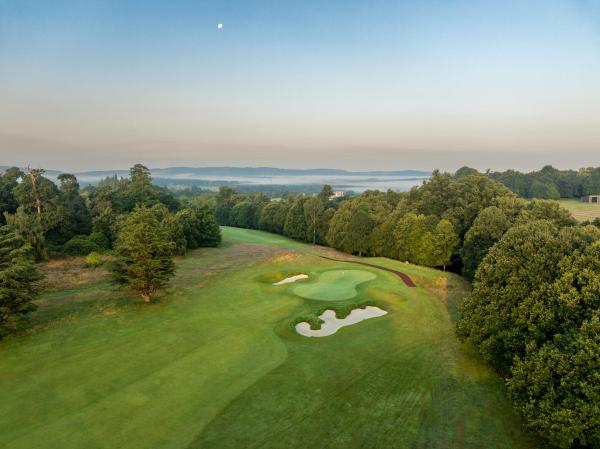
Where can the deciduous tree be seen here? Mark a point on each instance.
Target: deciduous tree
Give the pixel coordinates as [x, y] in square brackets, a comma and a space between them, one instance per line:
[556, 387]
[525, 259]
[199, 227]
[295, 221]
[445, 242]
[313, 212]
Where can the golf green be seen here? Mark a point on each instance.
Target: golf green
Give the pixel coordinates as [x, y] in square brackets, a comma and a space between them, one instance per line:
[335, 285]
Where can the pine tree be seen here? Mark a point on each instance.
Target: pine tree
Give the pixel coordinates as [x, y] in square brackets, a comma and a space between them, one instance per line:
[18, 276]
[30, 228]
[9, 180]
[144, 254]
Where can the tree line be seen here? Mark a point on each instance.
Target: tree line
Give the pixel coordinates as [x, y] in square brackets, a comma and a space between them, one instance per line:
[140, 225]
[549, 182]
[450, 220]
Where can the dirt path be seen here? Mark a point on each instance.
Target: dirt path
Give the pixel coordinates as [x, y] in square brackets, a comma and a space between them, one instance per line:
[405, 277]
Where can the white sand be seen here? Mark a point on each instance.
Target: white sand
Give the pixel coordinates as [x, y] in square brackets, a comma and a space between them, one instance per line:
[332, 324]
[291, 279]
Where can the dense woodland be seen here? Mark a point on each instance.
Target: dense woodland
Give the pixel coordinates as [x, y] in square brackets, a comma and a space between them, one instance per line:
[533, 314]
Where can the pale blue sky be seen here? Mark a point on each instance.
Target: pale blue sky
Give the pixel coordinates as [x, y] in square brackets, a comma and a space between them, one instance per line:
[349, 84]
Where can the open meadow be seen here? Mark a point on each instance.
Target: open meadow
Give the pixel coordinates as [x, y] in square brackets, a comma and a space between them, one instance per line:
[215, 362]
[580, 210]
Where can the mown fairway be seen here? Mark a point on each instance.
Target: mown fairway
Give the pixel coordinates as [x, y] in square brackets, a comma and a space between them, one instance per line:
[580, 210]
[215, 362]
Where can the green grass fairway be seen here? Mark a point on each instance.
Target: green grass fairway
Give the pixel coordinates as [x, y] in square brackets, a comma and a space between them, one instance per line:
[334, 285]
[215, 362]
[580, 210]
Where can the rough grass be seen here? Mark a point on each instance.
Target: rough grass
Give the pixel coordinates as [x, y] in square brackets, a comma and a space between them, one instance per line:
[62, 274]
[580, 210]
[215, 363]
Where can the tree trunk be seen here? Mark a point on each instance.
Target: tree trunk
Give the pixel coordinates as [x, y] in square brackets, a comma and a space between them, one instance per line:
[38, 203]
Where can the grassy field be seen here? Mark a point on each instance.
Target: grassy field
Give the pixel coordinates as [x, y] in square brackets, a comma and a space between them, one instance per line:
[580, 210]
[215, 361]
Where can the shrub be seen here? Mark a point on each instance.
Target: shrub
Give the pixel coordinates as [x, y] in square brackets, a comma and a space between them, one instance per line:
[93, 260]
[80, 245]
[99, 239]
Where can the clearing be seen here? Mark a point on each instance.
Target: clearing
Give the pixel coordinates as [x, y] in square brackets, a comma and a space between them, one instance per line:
[215, 362]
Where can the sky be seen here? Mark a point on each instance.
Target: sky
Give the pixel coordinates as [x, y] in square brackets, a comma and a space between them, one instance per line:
[370, 84]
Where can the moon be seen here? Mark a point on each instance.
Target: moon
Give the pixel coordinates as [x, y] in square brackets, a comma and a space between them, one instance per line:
[220, 26]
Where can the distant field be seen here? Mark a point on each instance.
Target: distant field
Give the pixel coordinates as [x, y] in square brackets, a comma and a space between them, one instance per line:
[580, 210]
[215, 362]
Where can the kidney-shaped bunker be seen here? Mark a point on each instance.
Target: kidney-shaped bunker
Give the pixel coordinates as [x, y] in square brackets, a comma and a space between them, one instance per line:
[332, 324]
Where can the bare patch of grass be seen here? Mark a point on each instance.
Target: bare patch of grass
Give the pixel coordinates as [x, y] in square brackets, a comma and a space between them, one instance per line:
[70, 273]
[286, 257]
[439, 287]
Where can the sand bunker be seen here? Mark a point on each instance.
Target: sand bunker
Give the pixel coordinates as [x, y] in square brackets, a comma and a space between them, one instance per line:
[332, 324]
[291, 279]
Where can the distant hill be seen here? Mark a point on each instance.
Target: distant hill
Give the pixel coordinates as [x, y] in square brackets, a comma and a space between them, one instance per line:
[245, 172]
[272, 181]
[271, 171]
